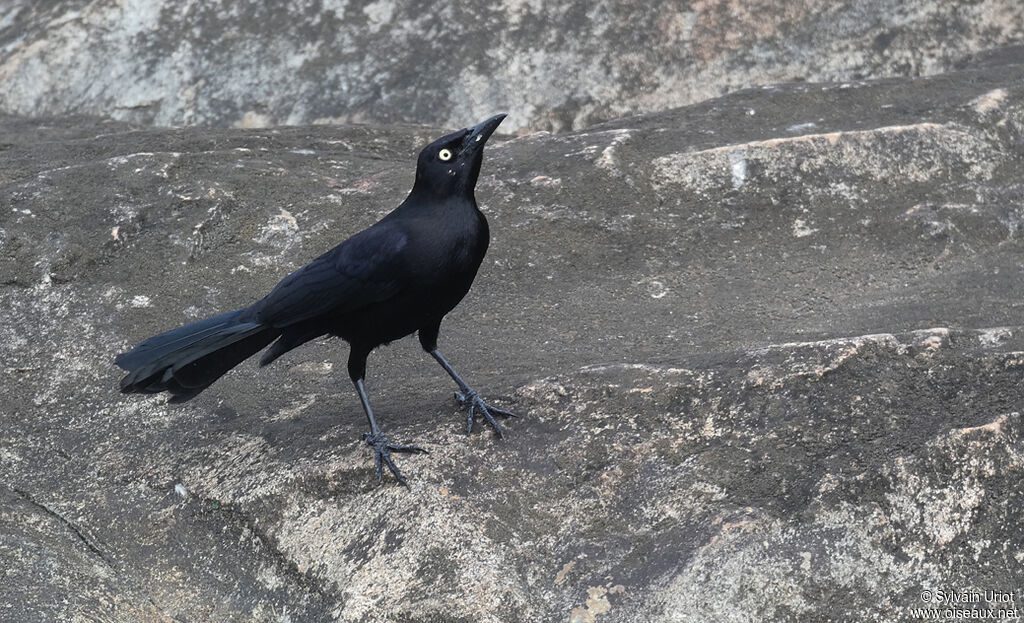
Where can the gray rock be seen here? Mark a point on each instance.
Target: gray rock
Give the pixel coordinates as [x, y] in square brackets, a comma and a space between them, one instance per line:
[767, 350]
[553, 66]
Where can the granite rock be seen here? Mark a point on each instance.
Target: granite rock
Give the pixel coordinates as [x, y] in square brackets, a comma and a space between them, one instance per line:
[767, 351]
[553, 66]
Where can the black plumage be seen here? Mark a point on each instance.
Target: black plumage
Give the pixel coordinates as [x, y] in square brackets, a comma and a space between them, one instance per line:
[397, 277]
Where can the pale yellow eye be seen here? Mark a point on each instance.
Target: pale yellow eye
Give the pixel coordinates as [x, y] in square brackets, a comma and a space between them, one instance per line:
[444, 155]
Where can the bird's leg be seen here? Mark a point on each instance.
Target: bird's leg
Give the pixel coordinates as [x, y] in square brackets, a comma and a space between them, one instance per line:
[468, 396]
[382, 448]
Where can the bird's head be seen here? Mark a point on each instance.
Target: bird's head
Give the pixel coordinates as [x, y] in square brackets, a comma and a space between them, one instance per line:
[451, 164]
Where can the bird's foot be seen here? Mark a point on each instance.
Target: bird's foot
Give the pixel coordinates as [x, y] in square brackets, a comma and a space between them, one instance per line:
[382, 450]
[476, 403]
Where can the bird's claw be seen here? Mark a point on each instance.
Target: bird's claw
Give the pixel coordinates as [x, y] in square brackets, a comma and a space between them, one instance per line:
[382, 450]
[475, 402]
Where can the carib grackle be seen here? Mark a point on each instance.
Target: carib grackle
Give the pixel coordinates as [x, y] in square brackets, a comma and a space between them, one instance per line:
[400, 276]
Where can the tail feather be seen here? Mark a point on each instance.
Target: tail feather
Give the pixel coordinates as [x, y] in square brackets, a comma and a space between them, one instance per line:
[187, 360]
[292, 337]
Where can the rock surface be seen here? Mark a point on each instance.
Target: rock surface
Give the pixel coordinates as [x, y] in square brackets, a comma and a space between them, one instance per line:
[767, 350]
[553, 66]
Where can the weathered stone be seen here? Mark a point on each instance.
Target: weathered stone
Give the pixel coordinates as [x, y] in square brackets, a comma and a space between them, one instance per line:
[767, 350]
[553, 66]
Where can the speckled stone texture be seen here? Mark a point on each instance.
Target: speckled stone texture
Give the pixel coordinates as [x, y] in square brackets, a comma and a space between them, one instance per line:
[767, 350]
[552, 65]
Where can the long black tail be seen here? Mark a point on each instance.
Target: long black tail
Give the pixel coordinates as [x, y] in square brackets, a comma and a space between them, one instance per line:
[187, 360]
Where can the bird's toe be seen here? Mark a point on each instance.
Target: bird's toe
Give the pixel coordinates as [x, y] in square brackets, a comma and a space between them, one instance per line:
[382, 449]
[478, 405]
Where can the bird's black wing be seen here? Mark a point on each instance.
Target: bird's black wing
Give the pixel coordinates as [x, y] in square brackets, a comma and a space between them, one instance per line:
[367, 268]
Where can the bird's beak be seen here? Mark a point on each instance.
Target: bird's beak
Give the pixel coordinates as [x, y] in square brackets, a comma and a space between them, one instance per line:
[482, 131]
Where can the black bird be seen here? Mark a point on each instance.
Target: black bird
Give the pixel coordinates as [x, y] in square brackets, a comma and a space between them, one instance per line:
[399, 276]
